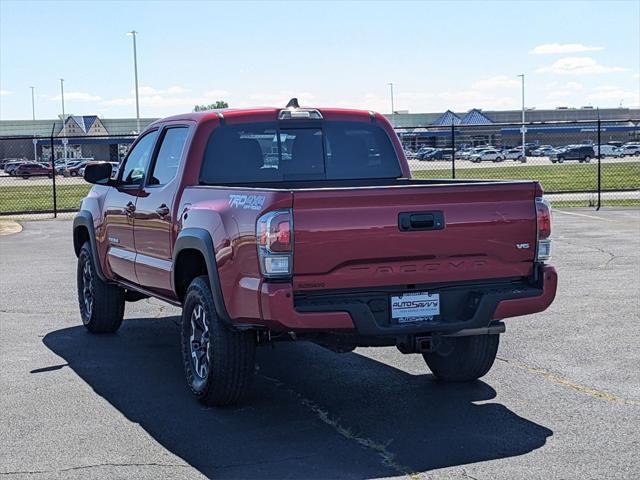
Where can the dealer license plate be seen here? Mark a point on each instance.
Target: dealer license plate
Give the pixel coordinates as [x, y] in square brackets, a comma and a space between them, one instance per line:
[415, 307]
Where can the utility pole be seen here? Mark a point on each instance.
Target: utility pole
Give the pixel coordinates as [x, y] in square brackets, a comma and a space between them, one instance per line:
[393, 112]
[523, 129]
[33, 117]
[133, 33]
[64, 125]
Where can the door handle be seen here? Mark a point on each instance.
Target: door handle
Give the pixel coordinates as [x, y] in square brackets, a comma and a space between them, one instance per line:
[420, 221]
[162, 210]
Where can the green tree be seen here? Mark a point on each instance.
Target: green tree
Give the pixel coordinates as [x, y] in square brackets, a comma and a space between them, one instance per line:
[211, 106]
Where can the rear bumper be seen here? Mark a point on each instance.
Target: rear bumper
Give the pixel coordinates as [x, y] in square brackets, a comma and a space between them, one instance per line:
[464, 306]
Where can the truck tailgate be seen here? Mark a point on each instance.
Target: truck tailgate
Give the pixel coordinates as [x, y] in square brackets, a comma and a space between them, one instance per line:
[417, 234]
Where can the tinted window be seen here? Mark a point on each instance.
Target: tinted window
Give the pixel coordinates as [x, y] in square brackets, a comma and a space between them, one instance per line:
[169, 155]
[138, 160]
[267, 152]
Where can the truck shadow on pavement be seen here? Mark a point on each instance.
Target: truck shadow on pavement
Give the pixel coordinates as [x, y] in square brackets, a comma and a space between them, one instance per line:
[313, 413]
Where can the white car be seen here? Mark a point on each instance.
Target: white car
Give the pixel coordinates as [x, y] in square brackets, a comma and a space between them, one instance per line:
[514, 154]
[629, 150]
[608, 150]
[488, 154]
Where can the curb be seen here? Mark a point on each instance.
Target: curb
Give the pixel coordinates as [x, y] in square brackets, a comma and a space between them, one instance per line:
[9, 227]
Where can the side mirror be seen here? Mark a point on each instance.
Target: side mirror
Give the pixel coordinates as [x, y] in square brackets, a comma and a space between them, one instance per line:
[98, 173]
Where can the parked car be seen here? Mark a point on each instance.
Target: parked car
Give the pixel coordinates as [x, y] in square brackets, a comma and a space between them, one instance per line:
[629, 150]
[6, 161]
[11, 167]
[608, 150]
[410, 154]
[27, 170]
[438, 154]
[476, 150]
[582, 153]
[464, 153]
[420, 154]
[514, 154]
[74, 171]
[543, 151]
[489, 154]
[194, 219]
[61, 166]
[72, 166]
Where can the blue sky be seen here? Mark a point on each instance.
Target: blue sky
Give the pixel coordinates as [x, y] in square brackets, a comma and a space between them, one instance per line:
[439, 55]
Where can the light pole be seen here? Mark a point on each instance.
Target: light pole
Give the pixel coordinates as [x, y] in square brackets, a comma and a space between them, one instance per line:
[523, 129]
[64, 125]
[33, 116]
[393, 113]
[133, 34]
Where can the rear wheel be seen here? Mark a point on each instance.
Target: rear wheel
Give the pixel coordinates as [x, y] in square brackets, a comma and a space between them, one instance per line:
[219, 362]
[587, 159]
[560, 159]
[462, 359]
[101, 304]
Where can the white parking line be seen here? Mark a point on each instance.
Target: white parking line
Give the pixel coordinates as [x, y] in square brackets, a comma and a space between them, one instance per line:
[555, 210]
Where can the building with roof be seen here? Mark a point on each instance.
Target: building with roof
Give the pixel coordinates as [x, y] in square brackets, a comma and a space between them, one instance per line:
[560, 126]
[87, 136]
[82, 125]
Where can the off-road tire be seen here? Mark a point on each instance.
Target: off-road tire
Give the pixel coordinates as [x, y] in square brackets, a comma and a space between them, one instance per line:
[229, 354]
[463, 359]
[106, 309]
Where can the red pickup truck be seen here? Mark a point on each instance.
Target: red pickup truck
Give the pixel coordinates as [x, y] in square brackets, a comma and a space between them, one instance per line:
[274, 224]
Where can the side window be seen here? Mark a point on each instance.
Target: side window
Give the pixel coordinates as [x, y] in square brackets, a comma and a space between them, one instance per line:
[169, 155]
[137, 162]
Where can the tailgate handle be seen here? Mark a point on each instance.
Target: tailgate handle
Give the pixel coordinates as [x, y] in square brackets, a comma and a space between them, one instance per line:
[420, 221]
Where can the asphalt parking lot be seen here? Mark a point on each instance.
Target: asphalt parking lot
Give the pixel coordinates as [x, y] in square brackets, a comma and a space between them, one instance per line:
[562, 400]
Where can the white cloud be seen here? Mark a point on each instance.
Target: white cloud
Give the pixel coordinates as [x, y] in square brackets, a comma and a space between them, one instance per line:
[615, 94]
[497, 82]
[556, 90]
[216, 93]
[280, 99]
[554, 48]
[420, 101]
[5, 92]
[162, 101]
[578, 66]
[78, 97]
[147, 90]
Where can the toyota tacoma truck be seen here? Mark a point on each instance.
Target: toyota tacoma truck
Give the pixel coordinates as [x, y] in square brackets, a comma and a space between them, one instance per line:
[273, 224]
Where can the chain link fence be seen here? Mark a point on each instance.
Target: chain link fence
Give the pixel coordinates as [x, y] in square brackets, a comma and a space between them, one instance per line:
[579, 164]
[43, 174]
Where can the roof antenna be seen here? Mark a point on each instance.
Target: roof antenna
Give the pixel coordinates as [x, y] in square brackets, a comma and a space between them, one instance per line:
[293, 103]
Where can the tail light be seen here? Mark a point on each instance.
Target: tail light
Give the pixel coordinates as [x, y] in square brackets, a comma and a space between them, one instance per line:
[543, 214]
[274, 234]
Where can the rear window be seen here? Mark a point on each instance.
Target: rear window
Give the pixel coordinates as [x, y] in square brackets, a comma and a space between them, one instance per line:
[268, 152]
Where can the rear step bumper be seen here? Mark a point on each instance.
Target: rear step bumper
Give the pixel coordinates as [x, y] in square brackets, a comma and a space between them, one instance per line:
[464, 307]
